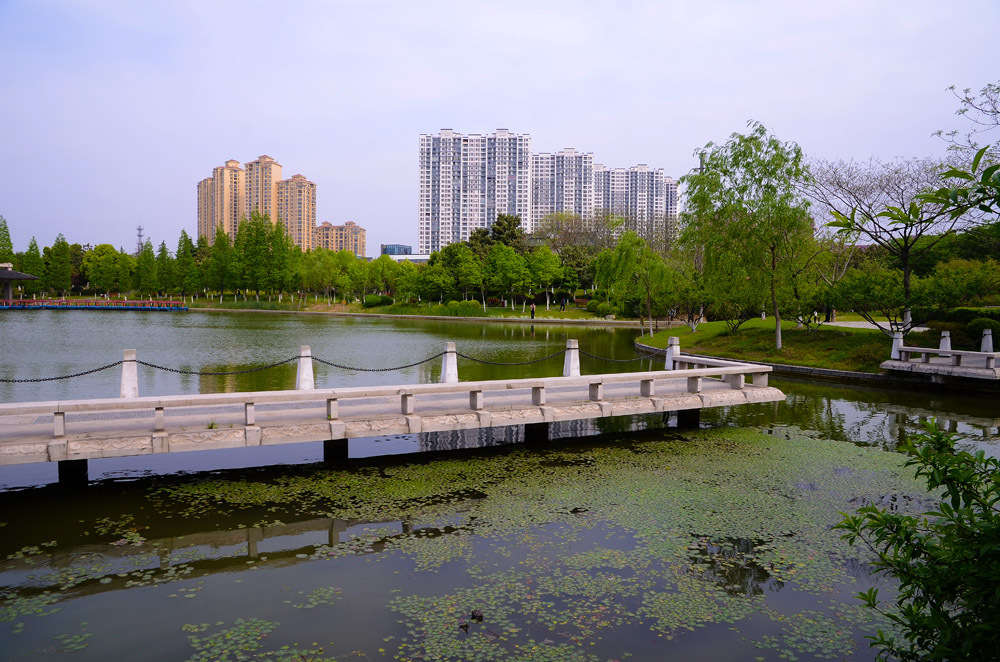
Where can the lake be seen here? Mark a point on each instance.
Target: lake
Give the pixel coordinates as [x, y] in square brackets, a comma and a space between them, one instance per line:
[625, 539]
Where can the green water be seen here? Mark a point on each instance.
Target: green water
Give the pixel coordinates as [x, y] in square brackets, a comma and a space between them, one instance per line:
[644, 545]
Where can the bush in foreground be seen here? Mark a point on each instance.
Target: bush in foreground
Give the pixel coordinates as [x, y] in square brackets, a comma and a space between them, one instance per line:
[947, 560]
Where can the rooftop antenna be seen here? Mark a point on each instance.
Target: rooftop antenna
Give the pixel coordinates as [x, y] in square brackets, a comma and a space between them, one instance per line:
[139, 243]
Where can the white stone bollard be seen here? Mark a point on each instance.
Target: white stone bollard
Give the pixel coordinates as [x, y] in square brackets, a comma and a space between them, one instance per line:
[673, 351]
[304, 380]
[449, 364]
[987, 345]
[571, 360]
[130, 376]
[897, 343]
[945, 340]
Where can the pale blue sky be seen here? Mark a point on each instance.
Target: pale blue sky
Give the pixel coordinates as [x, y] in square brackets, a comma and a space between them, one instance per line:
[131, 103]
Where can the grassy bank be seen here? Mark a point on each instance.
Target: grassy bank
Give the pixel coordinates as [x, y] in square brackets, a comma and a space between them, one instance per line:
[836, 348]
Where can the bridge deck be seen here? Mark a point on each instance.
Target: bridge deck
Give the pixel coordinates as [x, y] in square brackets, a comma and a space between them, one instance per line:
[84, 429]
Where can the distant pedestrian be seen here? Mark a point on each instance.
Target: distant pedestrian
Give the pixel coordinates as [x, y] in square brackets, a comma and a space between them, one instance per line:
[562, 304]
[532, 310]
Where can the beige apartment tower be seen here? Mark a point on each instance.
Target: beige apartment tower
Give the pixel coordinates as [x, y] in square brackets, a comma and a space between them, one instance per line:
[232, 193]
[221, 200]
[262, 178]
[296, 209]
[347, 237]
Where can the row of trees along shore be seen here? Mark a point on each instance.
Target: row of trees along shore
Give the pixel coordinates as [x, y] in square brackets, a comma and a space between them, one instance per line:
[763, 230]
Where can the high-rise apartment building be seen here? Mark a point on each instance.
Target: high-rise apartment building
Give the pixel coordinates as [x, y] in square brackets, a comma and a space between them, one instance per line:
[232, 193]
[221, 199]
[644, 196]
[562, 182]
[467, 180]
[262, 177]
[296, 209]
[347, 237]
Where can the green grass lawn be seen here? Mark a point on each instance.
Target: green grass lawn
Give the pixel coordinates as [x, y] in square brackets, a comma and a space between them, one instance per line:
[837, 348]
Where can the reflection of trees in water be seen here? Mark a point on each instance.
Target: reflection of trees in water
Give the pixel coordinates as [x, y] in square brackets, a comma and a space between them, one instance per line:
[277, 378]
[729, 564]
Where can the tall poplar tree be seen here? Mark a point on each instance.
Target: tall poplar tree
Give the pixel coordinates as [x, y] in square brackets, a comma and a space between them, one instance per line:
[164, 268]
[6, 246]
[31, 263]
[145, 269]
[59, 270]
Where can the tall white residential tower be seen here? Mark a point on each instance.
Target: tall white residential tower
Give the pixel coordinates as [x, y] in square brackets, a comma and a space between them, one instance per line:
[467, 180]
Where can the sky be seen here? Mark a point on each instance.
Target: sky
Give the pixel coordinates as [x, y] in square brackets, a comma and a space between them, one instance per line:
[111, 111]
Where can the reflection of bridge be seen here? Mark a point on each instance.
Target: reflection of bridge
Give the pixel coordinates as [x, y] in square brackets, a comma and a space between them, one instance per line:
[71, 432]
[204, 553]
[901, 419]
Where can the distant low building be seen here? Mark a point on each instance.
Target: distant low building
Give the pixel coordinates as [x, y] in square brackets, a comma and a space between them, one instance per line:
[396, 249]
[415, 258]
[347, 237]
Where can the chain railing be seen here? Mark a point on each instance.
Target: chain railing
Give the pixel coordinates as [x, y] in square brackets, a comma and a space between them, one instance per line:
[333, 364]
[52, 379]
[488, 362]
[400, 367]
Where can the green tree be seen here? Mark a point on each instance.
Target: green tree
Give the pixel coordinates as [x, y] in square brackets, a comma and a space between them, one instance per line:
[185, 270]
[406, 280]
[947, 560]
[504, 270]
[745, 202]
[6, 246]
[252, 252]
[124, 270]
[221, 274]
[145, 270]
[434, 281]
[545, 269]
[164, 268]
[32, 264]
[508, 231]
[480, 242]
[101, 266]
[59, 269]
[76, 255]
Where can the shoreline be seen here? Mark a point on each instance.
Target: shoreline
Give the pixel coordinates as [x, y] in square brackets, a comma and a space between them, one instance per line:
[438, 318]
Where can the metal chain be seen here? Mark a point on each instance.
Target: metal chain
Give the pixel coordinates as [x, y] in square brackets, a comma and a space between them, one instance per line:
[207, 373]
[544, 358]
[401, 367]
[329, 363]
[52, 379]
[604, 358]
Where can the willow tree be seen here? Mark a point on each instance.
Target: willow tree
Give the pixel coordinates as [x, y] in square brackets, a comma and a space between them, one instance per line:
[745, 207]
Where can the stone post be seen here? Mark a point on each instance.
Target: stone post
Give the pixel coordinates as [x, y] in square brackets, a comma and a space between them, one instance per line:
[130, 376]
[945, 340]
[304, 380]
[897, 343]
[449, 364]
[987, 345]
[673, 351]
[571, 360]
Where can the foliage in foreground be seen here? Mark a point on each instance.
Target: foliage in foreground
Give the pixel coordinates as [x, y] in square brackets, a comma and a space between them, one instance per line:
[947, 560]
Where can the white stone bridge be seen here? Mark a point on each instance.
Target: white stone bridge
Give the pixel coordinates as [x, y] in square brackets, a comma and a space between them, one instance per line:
[71, 432]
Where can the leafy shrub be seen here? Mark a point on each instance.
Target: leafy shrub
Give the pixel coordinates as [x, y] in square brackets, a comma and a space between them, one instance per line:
[947, 560]
[373, 300]
[471, 304]
[958, 315]
[604, 309]
[974, 329]
[453, 304]
[592, 305]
